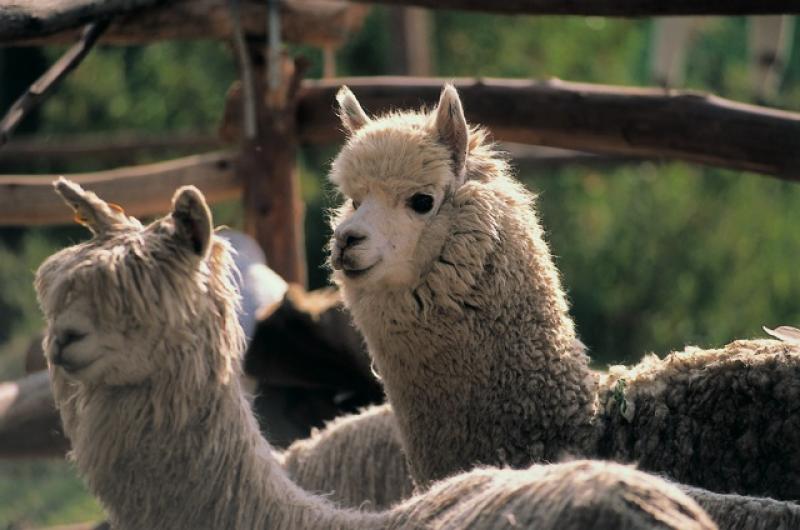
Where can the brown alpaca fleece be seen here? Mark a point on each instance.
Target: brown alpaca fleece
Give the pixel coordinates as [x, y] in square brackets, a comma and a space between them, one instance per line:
[144, 348]
[465, 317]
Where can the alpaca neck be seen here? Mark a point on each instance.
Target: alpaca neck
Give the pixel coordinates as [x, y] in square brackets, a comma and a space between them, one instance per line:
[480, 361]
[213, 470]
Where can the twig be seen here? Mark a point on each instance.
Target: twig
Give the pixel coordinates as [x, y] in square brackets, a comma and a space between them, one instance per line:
[40, 89]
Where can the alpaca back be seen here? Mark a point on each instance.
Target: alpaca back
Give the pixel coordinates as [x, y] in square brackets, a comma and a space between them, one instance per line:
[571, 496]
[724, 419]
[354, 461]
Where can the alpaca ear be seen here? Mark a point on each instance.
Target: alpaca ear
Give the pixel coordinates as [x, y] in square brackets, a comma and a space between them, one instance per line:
[350, 112]
[192, 220]
[451, 126]
[90, 210]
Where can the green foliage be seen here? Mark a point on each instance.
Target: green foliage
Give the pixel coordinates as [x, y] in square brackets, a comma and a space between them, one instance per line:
[654, 255]
[43, 493]
[660, 256]
[161, 87]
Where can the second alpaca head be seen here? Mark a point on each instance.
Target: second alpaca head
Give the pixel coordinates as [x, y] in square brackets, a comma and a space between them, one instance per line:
[175, 276]
[400, 175]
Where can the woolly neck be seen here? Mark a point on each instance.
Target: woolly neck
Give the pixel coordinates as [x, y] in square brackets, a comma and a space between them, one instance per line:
[480, 359]
[208, 469]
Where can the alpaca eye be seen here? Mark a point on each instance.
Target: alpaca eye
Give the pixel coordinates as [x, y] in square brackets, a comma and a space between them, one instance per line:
[356, 204]
[421, 202]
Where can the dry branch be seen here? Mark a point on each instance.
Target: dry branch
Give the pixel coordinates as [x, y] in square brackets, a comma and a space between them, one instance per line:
[39, 90]
[29, 421]
[142, 190]
[621, 8]
[140, 21]
[643, 122]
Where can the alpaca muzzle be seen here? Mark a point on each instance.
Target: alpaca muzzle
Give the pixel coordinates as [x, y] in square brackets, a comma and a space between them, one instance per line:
[61, 341]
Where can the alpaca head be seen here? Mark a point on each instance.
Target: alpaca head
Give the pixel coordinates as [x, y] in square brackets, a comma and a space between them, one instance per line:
[136, 303]
[400, 173]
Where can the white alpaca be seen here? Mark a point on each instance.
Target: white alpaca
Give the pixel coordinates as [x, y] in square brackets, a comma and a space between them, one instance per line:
[443, 264]
[143, 348]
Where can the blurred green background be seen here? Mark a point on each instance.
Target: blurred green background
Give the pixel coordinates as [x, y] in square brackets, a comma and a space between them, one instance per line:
[655, 255]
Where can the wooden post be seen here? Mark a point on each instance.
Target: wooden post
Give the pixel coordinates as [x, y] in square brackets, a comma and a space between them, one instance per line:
[410, 53]
[273, 208]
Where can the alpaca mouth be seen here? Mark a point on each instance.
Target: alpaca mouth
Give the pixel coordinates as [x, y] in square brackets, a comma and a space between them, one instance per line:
[358, 273]
[71, 367]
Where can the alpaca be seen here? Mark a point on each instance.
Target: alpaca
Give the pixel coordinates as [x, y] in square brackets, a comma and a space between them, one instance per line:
[357, 460]
[442, 262]
[143, 350]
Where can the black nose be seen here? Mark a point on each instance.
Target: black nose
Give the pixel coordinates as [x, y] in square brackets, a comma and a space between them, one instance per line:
[349, 238]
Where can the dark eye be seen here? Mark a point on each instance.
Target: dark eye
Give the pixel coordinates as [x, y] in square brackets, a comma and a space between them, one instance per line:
[421, 202]
[356, 204]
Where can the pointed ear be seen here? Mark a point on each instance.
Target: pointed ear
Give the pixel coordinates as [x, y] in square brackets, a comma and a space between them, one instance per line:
[451, 126]
[90, 210]
[192, 220]
[350, 112]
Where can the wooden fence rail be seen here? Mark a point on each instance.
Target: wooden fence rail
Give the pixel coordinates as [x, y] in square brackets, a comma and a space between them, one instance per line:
[144, 190]
[618, 121]
[642, 122]
[107, 147]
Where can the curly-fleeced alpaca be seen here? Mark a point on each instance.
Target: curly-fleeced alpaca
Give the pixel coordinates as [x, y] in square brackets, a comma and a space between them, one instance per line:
[143, 348]
[443, 264]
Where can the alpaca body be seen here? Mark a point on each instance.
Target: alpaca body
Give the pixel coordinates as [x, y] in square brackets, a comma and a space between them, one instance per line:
[357, 460]
[144, 351]
[468, 326]
[725, 419]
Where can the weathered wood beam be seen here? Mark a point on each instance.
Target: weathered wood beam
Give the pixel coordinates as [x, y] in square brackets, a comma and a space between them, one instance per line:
[106, 146]
[313, 22]
[616, 8]
[535, 158]
[643, 122]
[143, 190]
[39, 90]
[29, 421]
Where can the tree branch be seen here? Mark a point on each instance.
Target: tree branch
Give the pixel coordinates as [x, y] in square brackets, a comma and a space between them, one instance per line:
[39, 90]
[617, 8]
[140, 21]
